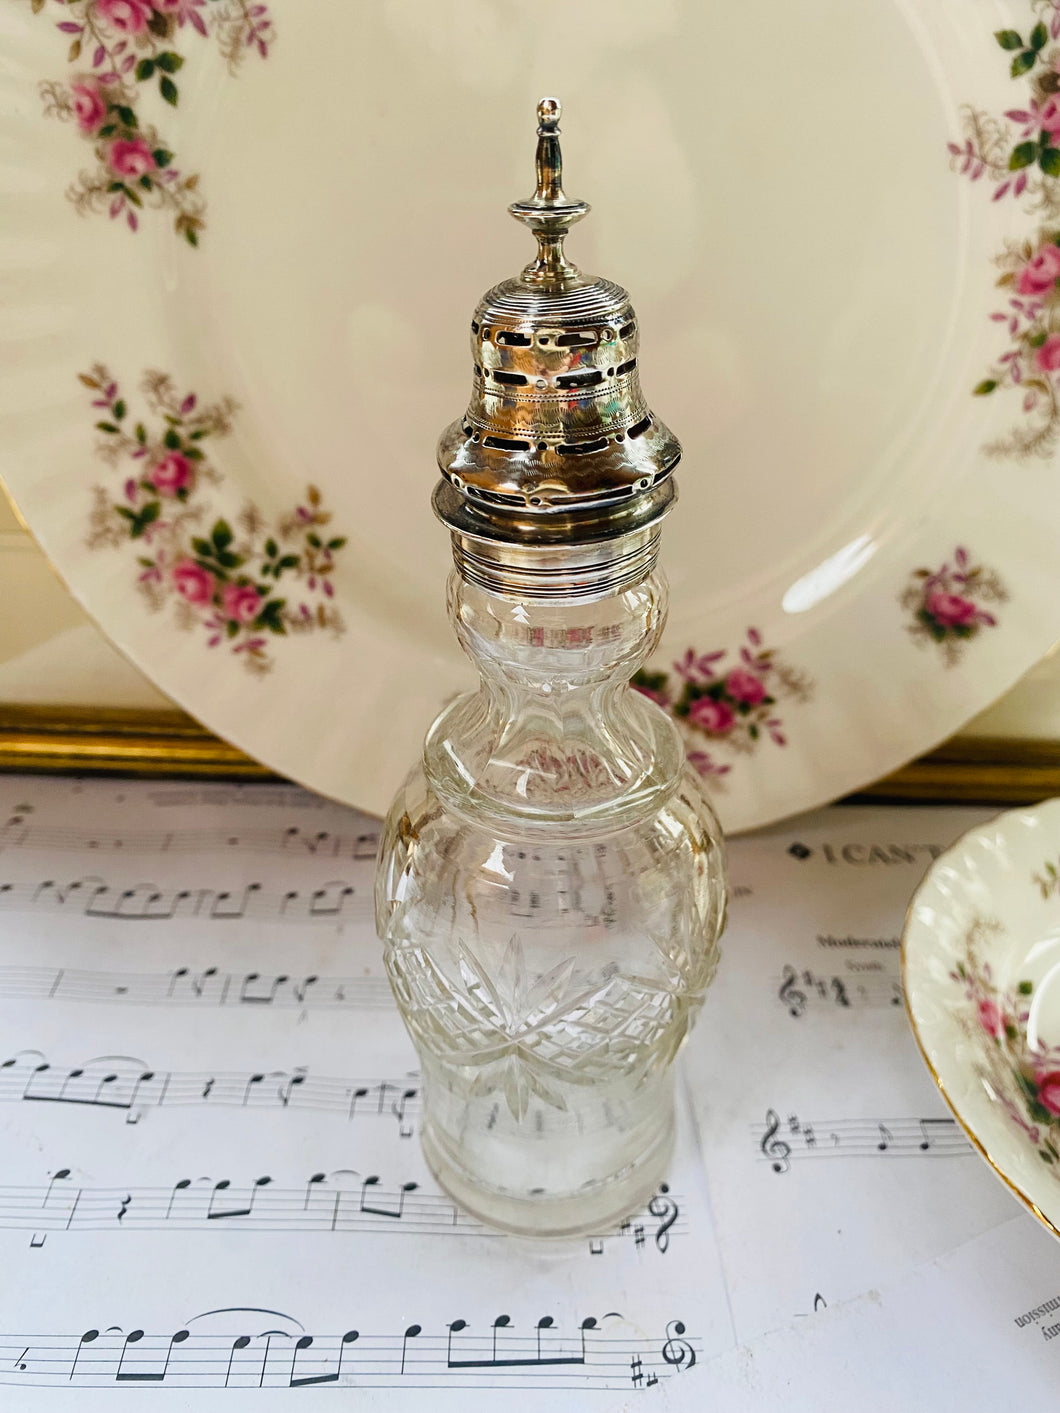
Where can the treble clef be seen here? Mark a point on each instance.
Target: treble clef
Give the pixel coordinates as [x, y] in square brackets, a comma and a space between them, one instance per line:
[663, 1206]
[677, 1351]
[776, 1150]
[793, 998]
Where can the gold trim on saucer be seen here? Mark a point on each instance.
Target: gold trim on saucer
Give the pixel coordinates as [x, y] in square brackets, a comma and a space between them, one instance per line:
[972, 1138]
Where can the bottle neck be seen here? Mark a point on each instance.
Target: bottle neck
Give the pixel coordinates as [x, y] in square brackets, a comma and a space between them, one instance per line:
[555, 732]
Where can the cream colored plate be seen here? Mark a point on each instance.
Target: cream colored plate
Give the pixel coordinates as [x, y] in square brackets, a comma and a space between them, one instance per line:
[816, 307]
[981, 967]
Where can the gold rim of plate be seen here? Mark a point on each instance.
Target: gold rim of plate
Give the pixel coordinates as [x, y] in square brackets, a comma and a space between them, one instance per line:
[984, 770]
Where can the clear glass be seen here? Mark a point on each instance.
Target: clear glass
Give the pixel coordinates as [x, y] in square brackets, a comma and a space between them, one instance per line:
[550, 893]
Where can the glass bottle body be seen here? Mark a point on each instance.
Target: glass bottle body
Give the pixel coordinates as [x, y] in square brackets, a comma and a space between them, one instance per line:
[550, 893]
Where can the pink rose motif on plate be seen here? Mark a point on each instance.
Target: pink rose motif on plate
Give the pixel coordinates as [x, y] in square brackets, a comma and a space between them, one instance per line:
[731, 704]
[744, 686]
[171, 475]
[131, 157]
[245, 584]
[1041, 271]
[950, 609]
[241, 602]
[126, 16]
[953, 604]
[90, 107]
[1049, 117]
[1048, 355]
[714, 717]
[131, 45]
[193, 583]
[1015, 154]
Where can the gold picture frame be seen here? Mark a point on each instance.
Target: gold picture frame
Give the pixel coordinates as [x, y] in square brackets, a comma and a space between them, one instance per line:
[118, 741]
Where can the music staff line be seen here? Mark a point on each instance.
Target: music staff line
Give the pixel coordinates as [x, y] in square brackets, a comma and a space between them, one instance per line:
[94, 897]
[800, 988]
[128, 1084]
[187, 986]
[597, 1354]
[20, 832]
[339, 1202]
[784, 1141]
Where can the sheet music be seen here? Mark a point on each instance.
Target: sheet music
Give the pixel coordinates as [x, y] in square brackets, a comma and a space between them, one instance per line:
[209, 1111]
[212, 1179]
[976, 1328]
[833, 1163]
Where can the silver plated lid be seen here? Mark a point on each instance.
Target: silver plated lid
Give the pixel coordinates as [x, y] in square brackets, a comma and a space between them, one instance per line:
[558, 445]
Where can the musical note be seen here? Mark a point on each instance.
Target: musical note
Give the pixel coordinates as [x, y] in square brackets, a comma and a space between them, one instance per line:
[930, 1129]
[517, 1355]
[89, 1337]
[94, 897]
[137, 1373]
[410, 1333]
[341, 1201]
[60, 1176]
[256, 1348]
[774, 1148]
[16, 833]
[124, 1082]
[298, 1380]
[396, 1212]
[185, 986]
[244, 1207]
[330, 900]
[861, 1138]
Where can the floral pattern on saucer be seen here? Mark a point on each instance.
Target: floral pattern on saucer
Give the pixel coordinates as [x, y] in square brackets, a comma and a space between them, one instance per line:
[241, 586]
[126, 48]
[726, 700]
[1024, 1078]
[946, 604]
[1019, 155]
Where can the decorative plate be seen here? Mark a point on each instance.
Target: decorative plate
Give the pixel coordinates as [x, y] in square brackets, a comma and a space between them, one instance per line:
[981, 969]
[242, 243]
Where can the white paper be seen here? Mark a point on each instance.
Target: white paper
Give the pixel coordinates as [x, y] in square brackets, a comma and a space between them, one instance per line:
[212, 1179]
[975, 1329]
[209, 1108]
[833, 1163]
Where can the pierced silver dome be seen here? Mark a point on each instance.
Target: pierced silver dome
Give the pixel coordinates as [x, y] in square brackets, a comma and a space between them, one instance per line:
[558, 445]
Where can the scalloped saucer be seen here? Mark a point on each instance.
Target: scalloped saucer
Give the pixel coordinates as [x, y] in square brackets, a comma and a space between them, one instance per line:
[981, 971]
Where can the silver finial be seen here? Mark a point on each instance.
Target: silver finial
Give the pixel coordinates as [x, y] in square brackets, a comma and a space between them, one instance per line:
[549, 213]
